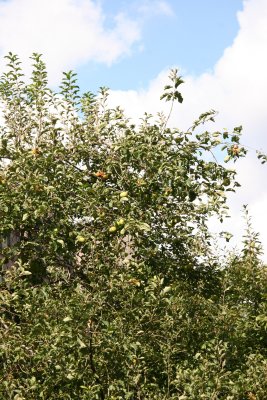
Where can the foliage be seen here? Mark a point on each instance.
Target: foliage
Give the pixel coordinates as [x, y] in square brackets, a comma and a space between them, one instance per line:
[115, 291]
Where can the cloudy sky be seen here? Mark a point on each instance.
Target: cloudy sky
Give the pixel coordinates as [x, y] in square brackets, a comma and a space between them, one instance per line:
[220, 48]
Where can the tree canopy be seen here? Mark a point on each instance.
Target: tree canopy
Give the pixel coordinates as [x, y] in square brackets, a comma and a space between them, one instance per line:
[113, 288]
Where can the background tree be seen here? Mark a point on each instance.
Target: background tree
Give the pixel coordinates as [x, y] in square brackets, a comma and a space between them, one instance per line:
[116, 291]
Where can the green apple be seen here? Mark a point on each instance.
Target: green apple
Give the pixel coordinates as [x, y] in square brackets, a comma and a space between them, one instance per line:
[80, 239]
[226, 182]
[120, 222]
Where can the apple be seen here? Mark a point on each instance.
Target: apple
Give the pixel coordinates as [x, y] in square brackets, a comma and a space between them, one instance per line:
[80, 239]
[35, 151]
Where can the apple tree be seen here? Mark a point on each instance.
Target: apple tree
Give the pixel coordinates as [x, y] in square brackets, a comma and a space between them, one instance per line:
[111, 288]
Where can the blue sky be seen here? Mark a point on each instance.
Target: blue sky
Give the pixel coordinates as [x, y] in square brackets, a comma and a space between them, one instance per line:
[121, 44]
[193, 36]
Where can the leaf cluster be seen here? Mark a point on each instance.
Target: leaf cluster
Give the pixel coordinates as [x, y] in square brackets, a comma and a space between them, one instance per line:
[110, 287]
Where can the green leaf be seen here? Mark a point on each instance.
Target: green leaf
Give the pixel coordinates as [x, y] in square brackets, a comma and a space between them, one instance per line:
[81, 343]
[61, 242]
[25, 216]
[67, 319]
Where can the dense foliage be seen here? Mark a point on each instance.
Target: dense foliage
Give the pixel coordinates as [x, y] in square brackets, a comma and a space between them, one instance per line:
[115, 289]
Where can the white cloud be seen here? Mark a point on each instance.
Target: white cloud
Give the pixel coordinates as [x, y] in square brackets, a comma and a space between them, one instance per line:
[165, 8]
[161, 7]
[237, 88]
[67, 32]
